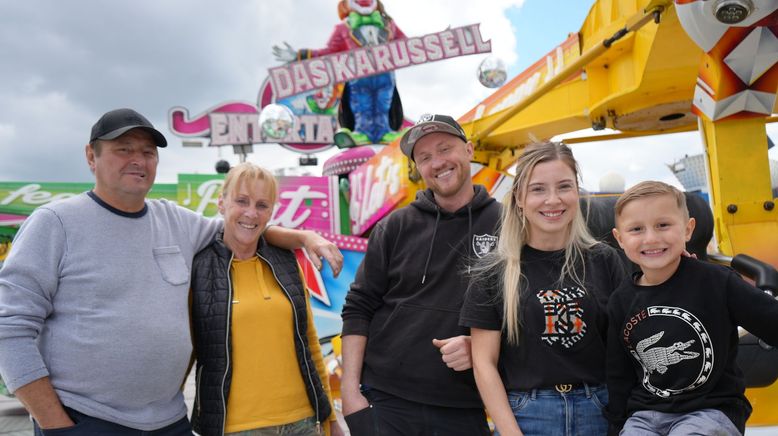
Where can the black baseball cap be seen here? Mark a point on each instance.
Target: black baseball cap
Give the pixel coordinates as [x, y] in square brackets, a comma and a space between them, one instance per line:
[115, 123]
[430, 124]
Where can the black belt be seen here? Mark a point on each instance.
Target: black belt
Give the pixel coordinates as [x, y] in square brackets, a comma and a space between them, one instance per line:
[568, 387]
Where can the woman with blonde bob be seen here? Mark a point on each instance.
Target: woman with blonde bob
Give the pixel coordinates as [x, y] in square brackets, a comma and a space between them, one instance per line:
[537, 306]
[259, 365]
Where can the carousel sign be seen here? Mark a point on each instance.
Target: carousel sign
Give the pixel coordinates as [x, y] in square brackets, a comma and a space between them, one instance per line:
[297, 77]
[312, 89]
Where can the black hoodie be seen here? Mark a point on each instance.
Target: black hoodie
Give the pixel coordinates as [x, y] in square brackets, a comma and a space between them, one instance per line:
[409, 290]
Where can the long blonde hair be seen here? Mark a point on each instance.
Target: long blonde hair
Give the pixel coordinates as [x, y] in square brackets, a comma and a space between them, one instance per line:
[504, 263]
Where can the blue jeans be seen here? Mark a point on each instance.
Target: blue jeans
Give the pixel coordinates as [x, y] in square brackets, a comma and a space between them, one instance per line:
[548, 412]
[87, 425]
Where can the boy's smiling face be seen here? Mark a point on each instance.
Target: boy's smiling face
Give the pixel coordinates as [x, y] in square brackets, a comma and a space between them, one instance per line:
[653, 232]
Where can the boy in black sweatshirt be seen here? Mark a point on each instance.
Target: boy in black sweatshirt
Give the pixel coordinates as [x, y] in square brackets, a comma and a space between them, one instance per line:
[673, 328]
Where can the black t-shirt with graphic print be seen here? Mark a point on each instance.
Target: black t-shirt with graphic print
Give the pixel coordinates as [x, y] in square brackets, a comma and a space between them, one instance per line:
[563, 327]
[672, 347]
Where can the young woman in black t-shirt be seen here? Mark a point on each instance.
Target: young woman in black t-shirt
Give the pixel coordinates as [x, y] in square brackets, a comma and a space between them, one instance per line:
[537, 306]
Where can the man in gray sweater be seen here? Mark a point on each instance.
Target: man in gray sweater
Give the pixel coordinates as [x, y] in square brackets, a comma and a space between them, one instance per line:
[94, 319]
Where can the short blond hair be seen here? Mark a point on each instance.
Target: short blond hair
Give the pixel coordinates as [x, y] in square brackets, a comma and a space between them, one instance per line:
[648, 189]
[246, 171]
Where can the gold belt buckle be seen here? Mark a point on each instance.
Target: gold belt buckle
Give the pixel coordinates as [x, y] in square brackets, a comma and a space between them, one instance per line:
[563, 389]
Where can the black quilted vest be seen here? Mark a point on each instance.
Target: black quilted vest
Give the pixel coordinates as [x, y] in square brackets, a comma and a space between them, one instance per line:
[211, 298]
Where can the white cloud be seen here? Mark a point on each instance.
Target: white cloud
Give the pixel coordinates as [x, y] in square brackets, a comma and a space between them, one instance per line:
[636, 159]
[75, 60]
[7, 133]
[451, 86]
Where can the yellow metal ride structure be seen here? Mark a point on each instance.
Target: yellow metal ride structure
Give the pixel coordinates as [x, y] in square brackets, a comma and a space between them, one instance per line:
[648, 67]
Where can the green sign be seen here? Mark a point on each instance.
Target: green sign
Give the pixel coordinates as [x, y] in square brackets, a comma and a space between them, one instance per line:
[21, 198]
[200, 192]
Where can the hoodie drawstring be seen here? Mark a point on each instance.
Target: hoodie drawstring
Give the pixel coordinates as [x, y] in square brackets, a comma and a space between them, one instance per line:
[432, 244]
[469, 235]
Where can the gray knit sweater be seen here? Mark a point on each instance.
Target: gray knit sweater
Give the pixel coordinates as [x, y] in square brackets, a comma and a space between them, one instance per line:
[98, 301]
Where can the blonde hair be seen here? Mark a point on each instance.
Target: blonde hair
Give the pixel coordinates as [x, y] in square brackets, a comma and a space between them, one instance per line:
[648, 189]
[504, 263]
[247, 171]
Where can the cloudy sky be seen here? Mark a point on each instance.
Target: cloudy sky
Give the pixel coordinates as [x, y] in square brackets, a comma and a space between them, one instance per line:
[66, 63]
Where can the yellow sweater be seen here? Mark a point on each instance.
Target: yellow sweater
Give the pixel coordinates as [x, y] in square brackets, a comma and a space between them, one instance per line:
[267, 387]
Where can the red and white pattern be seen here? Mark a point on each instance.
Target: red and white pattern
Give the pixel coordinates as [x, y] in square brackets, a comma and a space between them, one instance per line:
[352, 243]
[312, 277]
[739, 72]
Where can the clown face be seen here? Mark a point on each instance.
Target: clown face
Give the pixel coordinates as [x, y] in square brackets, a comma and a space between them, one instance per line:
[363, 7]
[324, 97]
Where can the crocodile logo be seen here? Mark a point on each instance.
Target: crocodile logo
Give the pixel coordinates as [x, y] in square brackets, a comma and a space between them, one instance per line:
[659, 358]
[692, 344]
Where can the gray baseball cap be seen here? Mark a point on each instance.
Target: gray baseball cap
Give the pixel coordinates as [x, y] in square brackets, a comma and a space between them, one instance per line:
[430, 124]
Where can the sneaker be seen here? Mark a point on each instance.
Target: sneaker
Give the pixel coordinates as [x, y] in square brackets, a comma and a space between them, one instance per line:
[360, 138]
[390, 137]
[343, 139]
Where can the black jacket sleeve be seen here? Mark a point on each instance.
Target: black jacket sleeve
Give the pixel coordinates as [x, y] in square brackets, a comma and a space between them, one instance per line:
[620, 373]
[370, 284]
[752, 309]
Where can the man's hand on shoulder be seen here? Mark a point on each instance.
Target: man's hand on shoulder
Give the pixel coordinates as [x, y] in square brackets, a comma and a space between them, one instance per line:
[316, 246]
[319, 248]
[455, 352]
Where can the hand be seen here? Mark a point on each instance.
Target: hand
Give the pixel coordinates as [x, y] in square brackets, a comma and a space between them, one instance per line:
[61, 425]
[335, 429]
[285, 54]
[353, 401]
[43, 404]
[456, 352]
[319, 248]
[687, 254]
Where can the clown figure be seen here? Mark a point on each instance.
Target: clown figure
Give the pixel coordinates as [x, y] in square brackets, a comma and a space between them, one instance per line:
[368, 103]
[324, 100]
